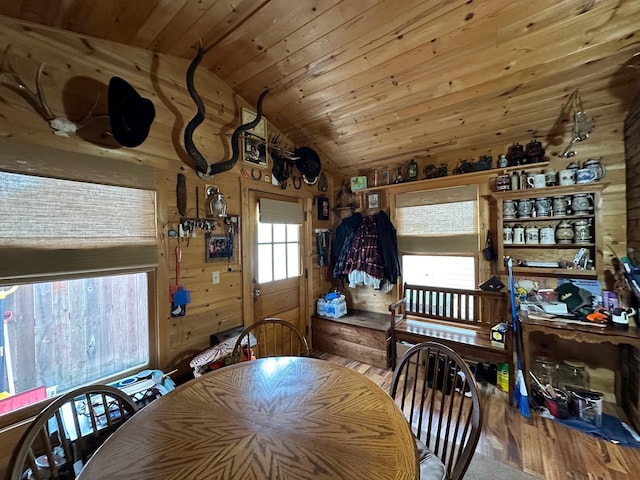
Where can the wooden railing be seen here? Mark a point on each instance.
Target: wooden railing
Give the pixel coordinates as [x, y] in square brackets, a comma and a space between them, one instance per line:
[459, 318]
[477, 309]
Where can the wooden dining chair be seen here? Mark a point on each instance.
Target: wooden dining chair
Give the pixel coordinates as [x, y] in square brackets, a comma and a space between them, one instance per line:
[270, 337]
[62, 438]
[438, 394]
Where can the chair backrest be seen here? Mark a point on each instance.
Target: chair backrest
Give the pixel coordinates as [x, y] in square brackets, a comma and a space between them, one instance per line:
[438, 394]
[62, 438]
[272, 337]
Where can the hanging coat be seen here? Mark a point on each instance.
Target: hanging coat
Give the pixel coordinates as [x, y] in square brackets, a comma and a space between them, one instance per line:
[340, 248]
[388, 248]
[364, 255]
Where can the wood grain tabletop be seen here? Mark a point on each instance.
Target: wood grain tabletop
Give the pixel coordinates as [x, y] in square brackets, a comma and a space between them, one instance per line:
[273, 418]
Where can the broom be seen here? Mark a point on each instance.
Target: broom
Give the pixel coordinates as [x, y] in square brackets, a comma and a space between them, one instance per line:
[520, 396]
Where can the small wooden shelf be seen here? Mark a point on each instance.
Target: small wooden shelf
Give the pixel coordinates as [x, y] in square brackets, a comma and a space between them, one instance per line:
[544, 219]
[566, 190]
[556, 272]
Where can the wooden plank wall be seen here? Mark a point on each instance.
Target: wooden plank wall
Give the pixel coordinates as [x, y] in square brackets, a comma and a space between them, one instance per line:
[632, 144]
[72, 61]
[631, 391]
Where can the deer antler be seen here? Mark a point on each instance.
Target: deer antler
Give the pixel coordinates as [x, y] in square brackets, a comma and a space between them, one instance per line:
[61, 126]
[10, 79]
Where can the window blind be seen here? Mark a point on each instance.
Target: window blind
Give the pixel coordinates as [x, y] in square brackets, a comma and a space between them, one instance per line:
[52, 228]
[278, 211]
[443, 220]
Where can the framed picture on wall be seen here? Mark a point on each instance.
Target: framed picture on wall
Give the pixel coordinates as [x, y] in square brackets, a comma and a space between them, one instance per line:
[323, 208]
[373, 200]
[254, 141]
[217, 247]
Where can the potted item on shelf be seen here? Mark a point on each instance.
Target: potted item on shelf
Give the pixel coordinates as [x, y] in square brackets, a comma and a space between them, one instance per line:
[534, 152]
[412, 170]
[515, 154]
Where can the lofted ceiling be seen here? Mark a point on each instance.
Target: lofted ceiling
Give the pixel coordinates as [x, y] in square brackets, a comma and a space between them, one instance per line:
[372, 83]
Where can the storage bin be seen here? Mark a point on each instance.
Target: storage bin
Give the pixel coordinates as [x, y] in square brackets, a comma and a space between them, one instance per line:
[335, 308]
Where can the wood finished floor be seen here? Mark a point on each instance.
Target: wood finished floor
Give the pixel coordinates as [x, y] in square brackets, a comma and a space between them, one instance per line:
[538, 446]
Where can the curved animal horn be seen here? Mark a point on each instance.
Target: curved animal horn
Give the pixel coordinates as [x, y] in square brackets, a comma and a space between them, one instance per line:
[203, 168]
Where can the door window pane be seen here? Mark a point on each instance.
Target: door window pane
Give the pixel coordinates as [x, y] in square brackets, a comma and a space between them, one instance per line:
[278, 251]
[293, 260]
[279, 232]
[280, 264]
[265, 262]
[293, 233]
[264, 233]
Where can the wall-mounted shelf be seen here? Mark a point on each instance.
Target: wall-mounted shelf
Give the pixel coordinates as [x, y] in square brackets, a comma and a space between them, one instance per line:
[480, 174]
[562, 253]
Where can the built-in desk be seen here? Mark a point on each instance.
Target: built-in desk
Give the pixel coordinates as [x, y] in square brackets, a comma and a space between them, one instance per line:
[625, 340]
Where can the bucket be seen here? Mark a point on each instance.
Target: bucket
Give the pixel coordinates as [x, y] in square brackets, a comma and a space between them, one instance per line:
[587, 406]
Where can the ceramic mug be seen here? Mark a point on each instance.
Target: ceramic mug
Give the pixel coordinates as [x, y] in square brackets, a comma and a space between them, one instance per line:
[547, 235]
[543, 207]
[538, 180]
[550, 177]
[524, 208]
[509, 208]
[560, 205]
[518, 235]
[503, 183]
[531, 234]
[596, 165]
[586, 175]
[507, 235]
[581, 203]
[567, 177]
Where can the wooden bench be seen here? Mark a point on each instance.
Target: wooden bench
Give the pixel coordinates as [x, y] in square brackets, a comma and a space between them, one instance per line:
[360, 335]
[460, 319]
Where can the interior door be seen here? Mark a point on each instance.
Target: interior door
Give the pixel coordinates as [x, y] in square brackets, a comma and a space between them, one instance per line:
[276, 254]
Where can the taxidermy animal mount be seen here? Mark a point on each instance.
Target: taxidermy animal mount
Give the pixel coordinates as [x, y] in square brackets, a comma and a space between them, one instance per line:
[61, 126]
[203, 168]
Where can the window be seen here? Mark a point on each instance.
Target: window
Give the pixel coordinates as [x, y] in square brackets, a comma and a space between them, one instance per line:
[449, 271]
[77, 260]
[63, 334]
[438, 236]
[278, 239]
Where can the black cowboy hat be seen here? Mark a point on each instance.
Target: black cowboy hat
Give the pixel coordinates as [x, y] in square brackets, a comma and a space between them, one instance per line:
[308, 163]
[130, 114]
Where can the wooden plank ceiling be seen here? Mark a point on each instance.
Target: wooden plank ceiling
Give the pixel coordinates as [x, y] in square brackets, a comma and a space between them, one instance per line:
[371, 83]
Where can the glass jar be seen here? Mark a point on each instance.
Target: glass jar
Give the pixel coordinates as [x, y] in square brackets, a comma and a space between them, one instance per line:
[545, 368]
[574, 376]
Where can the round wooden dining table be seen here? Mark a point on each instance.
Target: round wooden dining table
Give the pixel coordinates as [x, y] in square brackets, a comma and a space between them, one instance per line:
[272, 418]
